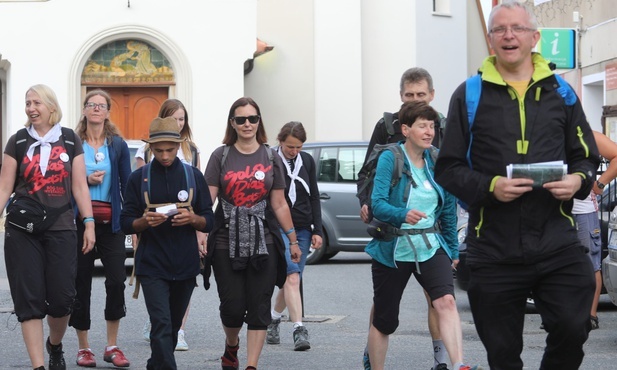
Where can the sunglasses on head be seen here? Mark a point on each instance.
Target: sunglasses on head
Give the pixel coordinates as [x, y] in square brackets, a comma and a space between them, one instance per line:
[239, 120]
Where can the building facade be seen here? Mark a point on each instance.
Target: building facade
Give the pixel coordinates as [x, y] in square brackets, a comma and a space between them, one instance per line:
[335, 65]
[594, 75]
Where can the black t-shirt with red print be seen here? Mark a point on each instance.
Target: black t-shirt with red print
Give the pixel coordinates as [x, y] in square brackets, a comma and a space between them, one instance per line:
[52, 189]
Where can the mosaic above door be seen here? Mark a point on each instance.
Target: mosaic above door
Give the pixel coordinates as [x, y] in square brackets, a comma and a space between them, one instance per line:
[127, 62]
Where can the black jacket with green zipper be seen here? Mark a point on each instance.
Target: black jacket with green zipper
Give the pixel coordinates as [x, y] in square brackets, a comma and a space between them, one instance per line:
[536, 127]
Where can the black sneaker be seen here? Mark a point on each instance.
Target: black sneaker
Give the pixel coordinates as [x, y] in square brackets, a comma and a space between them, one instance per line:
[301, 337]
[56, 356]
[595, 324]
[440, 367]
[272, 333]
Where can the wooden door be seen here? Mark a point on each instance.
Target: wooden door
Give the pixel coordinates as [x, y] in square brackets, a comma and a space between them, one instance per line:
[133, 108]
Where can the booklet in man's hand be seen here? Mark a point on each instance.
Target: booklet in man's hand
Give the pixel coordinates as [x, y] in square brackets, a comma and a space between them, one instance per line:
[540, 173]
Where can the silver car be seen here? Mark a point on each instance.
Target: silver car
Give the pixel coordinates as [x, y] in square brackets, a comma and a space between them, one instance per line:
[337, 166]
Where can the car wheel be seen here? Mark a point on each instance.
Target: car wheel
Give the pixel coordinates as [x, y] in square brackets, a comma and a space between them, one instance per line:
[316, 255]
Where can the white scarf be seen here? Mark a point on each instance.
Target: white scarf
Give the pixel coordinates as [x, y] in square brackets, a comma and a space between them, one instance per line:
[45, 142]
[294, 176]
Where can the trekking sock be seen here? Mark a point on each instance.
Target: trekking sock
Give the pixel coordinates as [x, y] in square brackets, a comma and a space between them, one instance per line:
[276, 315]
[440, 354]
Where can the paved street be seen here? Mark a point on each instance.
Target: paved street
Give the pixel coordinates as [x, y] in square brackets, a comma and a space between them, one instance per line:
[338, 299]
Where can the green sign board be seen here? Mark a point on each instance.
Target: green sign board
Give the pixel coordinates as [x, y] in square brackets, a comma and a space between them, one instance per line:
[558, 45]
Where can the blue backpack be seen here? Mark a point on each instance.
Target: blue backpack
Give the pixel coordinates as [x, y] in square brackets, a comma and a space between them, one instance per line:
[473, 90]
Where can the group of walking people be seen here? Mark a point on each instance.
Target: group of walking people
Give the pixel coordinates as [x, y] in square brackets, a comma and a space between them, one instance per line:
[267, 218]
[75, 197]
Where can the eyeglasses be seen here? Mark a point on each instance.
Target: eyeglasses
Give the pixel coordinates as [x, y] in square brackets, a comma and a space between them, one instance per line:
[94, 105]
[239, 120]
[516, 30]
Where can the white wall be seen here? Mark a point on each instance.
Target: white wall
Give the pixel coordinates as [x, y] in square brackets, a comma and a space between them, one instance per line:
[593, 99]
[442, 48]
[389, 49]
[46, 49]
[282, 80]
[338, 70]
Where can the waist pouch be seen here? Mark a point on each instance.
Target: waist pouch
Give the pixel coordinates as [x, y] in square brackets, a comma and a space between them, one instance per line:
[29, 215]
[101, 211]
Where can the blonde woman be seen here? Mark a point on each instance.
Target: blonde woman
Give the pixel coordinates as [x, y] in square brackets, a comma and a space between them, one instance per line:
[47, 167]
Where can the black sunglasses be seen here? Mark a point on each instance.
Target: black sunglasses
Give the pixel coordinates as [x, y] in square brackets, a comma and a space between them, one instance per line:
[239, 120]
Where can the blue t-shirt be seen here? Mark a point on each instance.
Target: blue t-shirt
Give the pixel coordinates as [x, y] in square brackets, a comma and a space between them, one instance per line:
[98, 160]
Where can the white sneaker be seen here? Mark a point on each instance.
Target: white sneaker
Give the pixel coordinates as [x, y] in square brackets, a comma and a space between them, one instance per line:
[146, 331]
[181, 345]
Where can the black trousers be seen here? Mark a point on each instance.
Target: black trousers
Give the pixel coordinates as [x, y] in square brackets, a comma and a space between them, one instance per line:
[166, 301]
[110, 247]
[562, 287]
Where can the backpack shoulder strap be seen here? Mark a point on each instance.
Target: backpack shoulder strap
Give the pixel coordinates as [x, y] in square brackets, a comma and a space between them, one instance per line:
[566, 92]
[69, 136]
[399, 163]
[224, 156]
[473, 90]
[21, 137]
[388, 120]
[190, 181]
[399, 169]
[270, 153]
[145, 184]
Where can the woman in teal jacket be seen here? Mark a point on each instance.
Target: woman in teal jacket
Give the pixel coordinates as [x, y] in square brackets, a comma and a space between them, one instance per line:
[421, 237]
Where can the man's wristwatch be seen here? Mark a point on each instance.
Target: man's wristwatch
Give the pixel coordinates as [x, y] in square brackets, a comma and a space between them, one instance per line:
[600, 185]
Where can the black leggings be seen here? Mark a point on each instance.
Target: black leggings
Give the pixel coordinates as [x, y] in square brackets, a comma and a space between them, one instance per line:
[110, 248]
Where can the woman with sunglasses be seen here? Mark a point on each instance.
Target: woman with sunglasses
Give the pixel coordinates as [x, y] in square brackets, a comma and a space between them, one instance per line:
[108, 166]
[302, 197]
[245, 248]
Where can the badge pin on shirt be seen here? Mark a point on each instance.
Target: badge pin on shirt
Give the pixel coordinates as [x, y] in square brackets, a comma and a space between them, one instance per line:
[64, 157]
[99, 157]
[260, 175]
[183, 195]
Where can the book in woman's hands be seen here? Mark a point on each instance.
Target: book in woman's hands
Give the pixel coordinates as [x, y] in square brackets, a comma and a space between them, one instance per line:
[540, 173]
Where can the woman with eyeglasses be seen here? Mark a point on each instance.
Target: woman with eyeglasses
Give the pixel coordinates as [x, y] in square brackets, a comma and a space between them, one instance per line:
[43, 165]
[108, 166]
[245, 248]
[188, 153]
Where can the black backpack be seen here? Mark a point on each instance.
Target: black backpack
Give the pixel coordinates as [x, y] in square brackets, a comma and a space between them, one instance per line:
[370, 168]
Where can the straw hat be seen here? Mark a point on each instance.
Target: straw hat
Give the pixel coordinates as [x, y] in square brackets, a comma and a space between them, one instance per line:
[164, 129]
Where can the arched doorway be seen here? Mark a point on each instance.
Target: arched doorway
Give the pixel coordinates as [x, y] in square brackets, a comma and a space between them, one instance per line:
[138, 78]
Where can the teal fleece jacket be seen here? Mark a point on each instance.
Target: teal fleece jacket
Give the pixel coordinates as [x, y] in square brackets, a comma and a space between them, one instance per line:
[389, 206]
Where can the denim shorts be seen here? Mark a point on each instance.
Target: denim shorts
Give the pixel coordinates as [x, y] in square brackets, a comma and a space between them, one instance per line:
[588, 228]
[304, 242]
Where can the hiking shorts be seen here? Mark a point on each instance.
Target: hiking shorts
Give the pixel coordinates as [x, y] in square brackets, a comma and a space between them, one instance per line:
[41, 270]
[389, 284]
